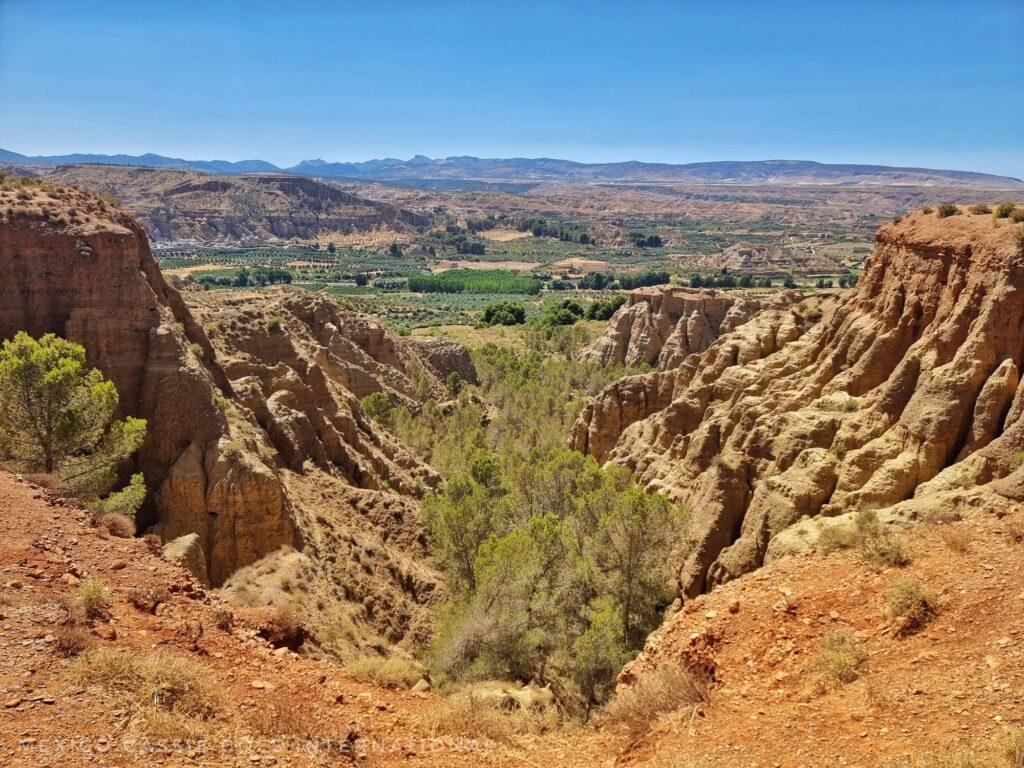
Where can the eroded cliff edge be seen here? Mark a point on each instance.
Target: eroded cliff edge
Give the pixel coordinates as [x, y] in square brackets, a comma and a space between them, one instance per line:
[904, 396]
[256, 442]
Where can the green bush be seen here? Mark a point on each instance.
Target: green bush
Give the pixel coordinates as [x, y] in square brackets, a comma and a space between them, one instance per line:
[504, 313]
[58, 415]
[603, 310]
[453, 384]
[378, 406]
[564, 312]
[1004, 210]
[125, 502]
[947, 209]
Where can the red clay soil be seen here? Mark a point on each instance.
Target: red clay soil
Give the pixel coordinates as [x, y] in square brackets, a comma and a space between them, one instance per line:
[957, 681]
[47, 719]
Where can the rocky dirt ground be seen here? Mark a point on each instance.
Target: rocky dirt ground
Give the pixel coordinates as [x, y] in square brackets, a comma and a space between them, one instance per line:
[957, 681]
[274, 707]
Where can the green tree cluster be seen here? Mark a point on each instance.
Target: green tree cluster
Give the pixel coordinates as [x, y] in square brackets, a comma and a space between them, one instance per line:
[557, 568]
[257, 276]
[474, 281]
[58, 419]
[604, 309]
[504, 313]
[645, 241]
[650, 277]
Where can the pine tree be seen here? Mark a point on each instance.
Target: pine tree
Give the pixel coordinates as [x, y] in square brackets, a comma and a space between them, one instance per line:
[58, 415]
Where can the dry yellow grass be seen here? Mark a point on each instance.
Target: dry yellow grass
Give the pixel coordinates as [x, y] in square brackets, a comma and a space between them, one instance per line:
[840, 658]
[504, 235]
[464, 715]
[186, 271]
[509, 265]
[162, 681]
[394, 671]
[579, 266]
[656, 692]
[956, 538]
[95, 598]
[910, 605]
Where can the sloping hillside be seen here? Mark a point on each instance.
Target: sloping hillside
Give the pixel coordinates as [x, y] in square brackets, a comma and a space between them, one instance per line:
[174, 205]
[161, 671]
[228, 697]
[947, 694]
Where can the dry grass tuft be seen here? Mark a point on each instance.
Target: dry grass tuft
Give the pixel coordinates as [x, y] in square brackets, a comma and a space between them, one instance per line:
[169, 728]
[1013, 747]
[393, 671]
[1015, 533]
[223, 619]
[879, 546]
[467, 716]
[909, 605]
[957, 539]
[663, 690]
[148, 599]
[282, 627]
[840, 658]
[95, 599]
[71, 610]
[955, 758]
[884, 551]
[72, 640]
[117, 525]
[167, 682]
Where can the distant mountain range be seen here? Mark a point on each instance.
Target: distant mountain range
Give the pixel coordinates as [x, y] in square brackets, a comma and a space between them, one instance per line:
[422, 168]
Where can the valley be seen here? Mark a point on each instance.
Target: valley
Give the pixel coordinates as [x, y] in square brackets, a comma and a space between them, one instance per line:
[361, 242]
[612, 491]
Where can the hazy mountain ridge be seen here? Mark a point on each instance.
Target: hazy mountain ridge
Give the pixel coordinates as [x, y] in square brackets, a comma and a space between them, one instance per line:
[550, 169]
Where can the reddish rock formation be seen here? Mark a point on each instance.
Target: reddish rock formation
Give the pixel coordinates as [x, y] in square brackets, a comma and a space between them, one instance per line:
[251, 405]
[663, 324]
[93, 280]
[903, 395]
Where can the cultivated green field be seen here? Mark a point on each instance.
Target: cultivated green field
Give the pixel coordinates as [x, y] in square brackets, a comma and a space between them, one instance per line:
[447, 276]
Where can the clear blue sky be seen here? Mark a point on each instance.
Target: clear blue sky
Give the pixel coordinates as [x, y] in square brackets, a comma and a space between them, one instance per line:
[938, 84]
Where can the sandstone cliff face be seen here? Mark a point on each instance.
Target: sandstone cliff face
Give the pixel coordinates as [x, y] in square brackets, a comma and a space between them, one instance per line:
[663, 324]
[256, 442]
[904, 397]
[93, 280]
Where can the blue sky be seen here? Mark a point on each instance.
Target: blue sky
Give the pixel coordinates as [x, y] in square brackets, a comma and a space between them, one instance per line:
[937, 84]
